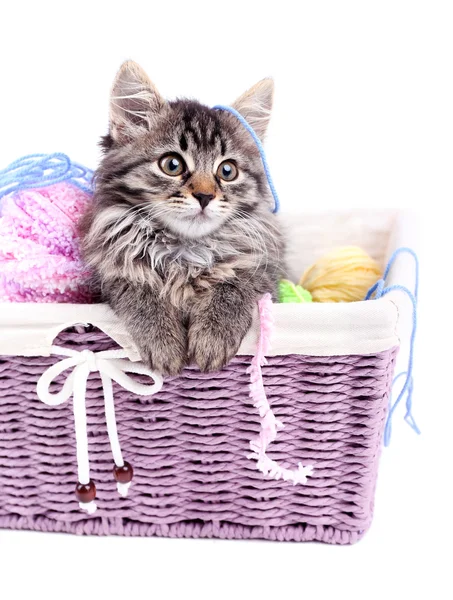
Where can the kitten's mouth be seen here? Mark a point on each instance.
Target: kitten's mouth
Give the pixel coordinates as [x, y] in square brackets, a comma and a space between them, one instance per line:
[200, 216]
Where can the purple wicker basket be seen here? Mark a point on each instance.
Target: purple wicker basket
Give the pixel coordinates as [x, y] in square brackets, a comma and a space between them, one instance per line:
[327, 378]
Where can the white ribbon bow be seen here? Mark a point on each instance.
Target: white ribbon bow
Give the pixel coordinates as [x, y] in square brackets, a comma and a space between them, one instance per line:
[111, 364]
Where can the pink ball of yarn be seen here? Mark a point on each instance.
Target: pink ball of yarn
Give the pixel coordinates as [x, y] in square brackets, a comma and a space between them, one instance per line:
[39, 248]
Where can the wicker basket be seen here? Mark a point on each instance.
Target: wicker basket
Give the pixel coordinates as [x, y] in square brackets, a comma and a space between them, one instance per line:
[327, 379]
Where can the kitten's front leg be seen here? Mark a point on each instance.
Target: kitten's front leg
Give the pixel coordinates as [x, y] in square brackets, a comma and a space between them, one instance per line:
[154, 324]
[218, 322]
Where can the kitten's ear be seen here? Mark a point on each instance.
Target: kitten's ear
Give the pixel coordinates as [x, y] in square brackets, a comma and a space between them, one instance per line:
[134, 102]
[256, 104]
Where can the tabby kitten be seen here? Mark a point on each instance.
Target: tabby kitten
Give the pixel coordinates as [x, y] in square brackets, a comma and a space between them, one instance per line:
[180, 235]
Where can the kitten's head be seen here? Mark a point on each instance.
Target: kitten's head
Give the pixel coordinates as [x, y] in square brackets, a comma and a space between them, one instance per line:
[189, 167]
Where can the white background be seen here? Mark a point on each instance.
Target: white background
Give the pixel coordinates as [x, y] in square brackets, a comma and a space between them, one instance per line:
[363, 118]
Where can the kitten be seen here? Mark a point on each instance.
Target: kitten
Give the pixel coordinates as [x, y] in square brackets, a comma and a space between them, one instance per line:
[180, 235]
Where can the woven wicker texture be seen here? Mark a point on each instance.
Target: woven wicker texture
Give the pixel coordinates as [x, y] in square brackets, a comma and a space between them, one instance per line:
[188, 446]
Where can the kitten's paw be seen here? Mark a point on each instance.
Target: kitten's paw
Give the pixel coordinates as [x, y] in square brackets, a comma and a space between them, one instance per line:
[169, 364]
[211, 347]
[166, 358]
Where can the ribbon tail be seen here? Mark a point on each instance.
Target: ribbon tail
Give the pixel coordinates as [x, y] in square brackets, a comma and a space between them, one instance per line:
[80, 378]
[112, 429]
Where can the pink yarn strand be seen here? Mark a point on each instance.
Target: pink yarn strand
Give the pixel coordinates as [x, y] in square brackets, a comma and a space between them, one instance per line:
[270, 425]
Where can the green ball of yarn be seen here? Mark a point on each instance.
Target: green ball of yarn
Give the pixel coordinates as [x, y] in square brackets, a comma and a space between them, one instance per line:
[292, 292]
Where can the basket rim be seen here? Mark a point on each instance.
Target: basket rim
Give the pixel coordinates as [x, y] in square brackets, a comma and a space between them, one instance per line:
[316, 329]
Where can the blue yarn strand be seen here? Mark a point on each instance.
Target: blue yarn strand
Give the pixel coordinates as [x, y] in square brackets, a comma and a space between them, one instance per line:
[404, 250]
[259, 145]
[40, 170]
[379, 290]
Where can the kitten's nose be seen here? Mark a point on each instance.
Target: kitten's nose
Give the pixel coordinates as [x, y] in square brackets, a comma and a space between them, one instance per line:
[203, 199]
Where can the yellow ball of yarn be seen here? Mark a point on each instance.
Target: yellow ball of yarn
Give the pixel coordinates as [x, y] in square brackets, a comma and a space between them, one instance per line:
[343, 275]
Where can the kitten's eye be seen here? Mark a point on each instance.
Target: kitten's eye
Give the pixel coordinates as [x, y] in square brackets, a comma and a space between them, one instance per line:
[227, 171]
[172, 165]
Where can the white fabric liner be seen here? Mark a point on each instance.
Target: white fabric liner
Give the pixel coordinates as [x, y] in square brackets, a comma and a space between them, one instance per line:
[316, 329]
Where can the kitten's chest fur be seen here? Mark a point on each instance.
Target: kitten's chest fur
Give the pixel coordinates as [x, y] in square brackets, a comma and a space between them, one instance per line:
[186, 267]
[166, 250]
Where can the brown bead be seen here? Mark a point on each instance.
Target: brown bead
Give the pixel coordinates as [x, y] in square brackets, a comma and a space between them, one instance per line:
[123, 474]
[85, 492]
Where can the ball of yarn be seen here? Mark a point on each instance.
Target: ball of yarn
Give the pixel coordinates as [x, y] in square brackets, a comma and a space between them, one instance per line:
[39, 246]
[289, 292]
[343, 275]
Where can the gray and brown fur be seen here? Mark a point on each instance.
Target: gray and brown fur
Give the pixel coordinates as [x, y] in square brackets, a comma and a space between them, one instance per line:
[184, 278]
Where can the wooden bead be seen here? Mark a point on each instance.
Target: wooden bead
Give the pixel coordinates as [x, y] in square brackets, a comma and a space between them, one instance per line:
[123, 474]
[85, 492]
